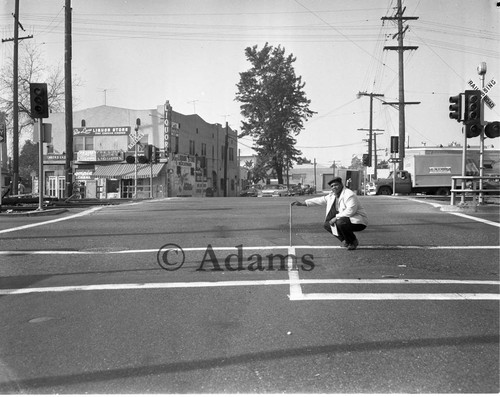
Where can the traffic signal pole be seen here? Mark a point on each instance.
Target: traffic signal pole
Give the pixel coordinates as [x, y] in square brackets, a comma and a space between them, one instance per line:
[40, 165]
[481, 70]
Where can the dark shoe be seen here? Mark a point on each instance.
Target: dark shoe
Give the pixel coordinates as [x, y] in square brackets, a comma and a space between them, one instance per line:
[353, 245]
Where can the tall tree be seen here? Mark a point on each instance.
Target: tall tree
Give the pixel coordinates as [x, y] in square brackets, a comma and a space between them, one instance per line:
[28, 162]
[274, 105]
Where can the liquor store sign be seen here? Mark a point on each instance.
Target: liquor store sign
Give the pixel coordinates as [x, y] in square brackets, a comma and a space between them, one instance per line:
[101, 131]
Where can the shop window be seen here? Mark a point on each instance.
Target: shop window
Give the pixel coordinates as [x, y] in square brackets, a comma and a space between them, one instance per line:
[179, 170]
[112, 185]
[83, 143]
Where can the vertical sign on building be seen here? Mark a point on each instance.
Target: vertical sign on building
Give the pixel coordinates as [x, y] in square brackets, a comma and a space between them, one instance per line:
[168, 127]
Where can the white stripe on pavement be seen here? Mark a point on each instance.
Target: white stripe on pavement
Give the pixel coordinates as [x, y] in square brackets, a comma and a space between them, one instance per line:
[293, 276]
[295, 288]
[274, 247]
[491, 223]
[83, 213]
[389, 296]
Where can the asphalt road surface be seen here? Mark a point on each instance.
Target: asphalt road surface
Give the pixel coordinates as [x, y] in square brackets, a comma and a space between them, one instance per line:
[226, 295]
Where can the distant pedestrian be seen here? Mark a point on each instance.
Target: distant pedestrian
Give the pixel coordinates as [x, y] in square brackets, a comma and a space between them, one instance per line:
[82, 190]
[344, 213]
[20, 188]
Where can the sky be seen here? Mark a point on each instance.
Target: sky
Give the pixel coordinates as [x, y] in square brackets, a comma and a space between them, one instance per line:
[138, 54]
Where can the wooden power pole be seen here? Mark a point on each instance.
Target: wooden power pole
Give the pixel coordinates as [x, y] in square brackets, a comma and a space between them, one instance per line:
[399, 17]
[68, 102]
[15, 98]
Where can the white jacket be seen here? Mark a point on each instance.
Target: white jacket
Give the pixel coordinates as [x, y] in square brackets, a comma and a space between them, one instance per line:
[348, 206]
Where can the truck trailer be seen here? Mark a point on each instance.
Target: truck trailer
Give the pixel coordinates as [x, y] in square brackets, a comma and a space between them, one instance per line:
[426, 174]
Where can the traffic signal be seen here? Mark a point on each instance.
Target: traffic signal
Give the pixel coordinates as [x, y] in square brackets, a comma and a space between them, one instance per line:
[473, 130]
[366, 160]
[148, 151]
[39, 101]
[472, 113]
[394, 144]
[456, 107]
[492, 130]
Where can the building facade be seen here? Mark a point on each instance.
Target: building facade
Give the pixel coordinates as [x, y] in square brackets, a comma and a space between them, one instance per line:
[110, 145]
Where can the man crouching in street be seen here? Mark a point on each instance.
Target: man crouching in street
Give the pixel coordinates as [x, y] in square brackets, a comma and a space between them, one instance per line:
[344, 213]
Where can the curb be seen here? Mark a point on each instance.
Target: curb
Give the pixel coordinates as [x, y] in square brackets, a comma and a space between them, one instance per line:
[466, 208]
[35, 213]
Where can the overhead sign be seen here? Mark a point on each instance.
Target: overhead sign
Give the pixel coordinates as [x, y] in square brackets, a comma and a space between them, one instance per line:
[486, 99]
[101, 131]
[99, 155]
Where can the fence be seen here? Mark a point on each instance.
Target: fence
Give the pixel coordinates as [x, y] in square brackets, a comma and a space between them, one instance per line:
[470, 187]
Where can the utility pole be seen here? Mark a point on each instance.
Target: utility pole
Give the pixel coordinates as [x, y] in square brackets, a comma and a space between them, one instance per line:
[15, 98]
[68, 104]
[370, 136]
[401, 48]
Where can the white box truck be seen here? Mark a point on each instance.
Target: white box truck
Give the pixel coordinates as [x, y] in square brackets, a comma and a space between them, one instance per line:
[426, 174]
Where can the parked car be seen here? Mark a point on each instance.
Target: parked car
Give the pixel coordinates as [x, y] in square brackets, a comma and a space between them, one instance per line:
[371, 189]
[308, 189]
[251, 191]
[273, 191]
[295, 190]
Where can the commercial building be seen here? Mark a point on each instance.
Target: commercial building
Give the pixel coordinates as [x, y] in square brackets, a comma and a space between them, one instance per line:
[191, 158]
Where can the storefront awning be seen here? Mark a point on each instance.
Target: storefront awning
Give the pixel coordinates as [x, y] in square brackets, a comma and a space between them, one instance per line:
[127, 171]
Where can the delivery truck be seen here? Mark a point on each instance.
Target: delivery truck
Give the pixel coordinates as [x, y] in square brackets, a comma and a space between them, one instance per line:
[426, 174]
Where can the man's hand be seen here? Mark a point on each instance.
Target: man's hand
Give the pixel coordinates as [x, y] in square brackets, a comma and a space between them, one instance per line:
[333, 220]
[298, 203]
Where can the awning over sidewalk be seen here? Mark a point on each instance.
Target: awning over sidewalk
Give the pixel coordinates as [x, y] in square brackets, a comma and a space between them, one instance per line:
[127, 171]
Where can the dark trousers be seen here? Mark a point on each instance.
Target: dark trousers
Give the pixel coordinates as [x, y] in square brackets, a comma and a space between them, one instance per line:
[345, 229]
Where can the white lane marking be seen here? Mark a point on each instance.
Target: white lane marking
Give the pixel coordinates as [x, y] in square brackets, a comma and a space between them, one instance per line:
[296, 295]
[389, 296]
[491, 223]
[83, 213]
[284, 247]
[436, 205]
[293, 276]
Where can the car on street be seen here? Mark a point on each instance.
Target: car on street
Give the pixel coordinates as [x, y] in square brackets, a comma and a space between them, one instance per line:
[295, 190]
[371, 189]
[308, 189]
[273, 191]
[251, 191]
